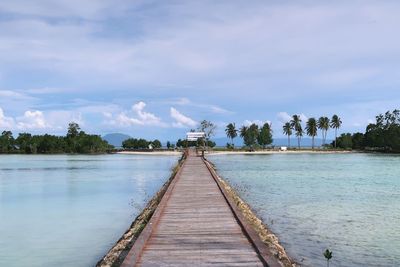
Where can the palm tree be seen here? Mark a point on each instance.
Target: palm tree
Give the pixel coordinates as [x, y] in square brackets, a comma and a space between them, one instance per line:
[231, 132]
[243, 131]
[287, 130]
[336, 122]
[299, 134]
[311, 129]
[296, 125]
[323, 125]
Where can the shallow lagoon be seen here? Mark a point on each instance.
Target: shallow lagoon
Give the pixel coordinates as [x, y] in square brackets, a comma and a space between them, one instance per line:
[68, 210]
[349, 203]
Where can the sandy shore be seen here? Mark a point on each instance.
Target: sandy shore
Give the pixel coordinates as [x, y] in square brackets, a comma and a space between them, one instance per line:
[154, 153]
[267, 152]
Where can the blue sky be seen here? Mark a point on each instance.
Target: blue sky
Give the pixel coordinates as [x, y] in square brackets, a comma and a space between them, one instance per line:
[155, 68]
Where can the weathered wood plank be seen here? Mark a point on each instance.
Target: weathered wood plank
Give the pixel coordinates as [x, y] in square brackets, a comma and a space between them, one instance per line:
[196, 226]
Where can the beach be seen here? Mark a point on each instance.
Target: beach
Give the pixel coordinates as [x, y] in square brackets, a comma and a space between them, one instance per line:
[151, 153]
[267, 152]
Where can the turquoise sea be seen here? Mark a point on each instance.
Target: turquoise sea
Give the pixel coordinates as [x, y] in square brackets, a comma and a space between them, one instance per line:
[69, 210]
[349, 203]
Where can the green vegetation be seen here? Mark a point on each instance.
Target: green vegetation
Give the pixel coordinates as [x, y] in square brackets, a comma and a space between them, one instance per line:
[76, 141]
[328, 256]
[254, 136]
[7, 142]
[344, 141]
[265, 135]
[311, 129]
[323, 125]
[249, 135]
[335, 124]
[383, 135]
[287, 130]
[133, 143]
[209, 130]
[312, 126]
[184, 143]
[296, 125]
[231, 132]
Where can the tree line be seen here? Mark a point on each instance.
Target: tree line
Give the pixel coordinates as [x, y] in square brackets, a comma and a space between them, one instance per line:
[200, 142]
[133, 143]
[207, 127]
[311, 129]
[252, 135]
[383, 135]
[75, 141]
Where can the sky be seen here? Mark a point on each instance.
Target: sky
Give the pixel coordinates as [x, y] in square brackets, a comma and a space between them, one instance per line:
[154, 69]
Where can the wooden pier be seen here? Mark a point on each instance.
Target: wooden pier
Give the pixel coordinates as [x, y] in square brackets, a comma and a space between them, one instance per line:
[196, 224]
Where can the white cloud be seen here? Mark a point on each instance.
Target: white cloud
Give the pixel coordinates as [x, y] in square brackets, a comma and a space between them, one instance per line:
[303, 117]
[139, 117]
[219, 110]
[8, 93]
[181, 120]
[196, 50]
[32, 120]
[284, 117]
[124, 120]
[183, 101]
[59, 119]
[14, 95]
[47, 90]
[107, 115]
[36, 120]
[257, 122]
[145, 117]
[6, 122]
[65, 8]
[308, 43]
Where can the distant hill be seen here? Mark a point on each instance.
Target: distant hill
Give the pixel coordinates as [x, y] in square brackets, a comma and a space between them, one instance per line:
[305, 142]
[116, 139]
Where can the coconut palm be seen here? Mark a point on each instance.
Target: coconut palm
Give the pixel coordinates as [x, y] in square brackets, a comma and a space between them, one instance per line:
[249, 135]
[296, 125]
[311, 129]
[231, 132]
[323, 125]
[336, 122]
[243, 131]
[287, 130]
[299, 134]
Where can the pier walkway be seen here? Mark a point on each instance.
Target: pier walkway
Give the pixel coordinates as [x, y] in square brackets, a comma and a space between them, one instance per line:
[194, 226]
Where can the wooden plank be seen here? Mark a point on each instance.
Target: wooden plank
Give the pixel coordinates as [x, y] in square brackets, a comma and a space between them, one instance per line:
[194, 226]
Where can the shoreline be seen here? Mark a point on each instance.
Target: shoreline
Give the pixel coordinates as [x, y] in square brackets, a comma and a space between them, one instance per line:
[268, 152]
[154, 153]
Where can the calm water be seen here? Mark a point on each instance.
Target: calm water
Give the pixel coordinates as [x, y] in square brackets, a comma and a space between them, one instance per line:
[349, 203]
[61, 210]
